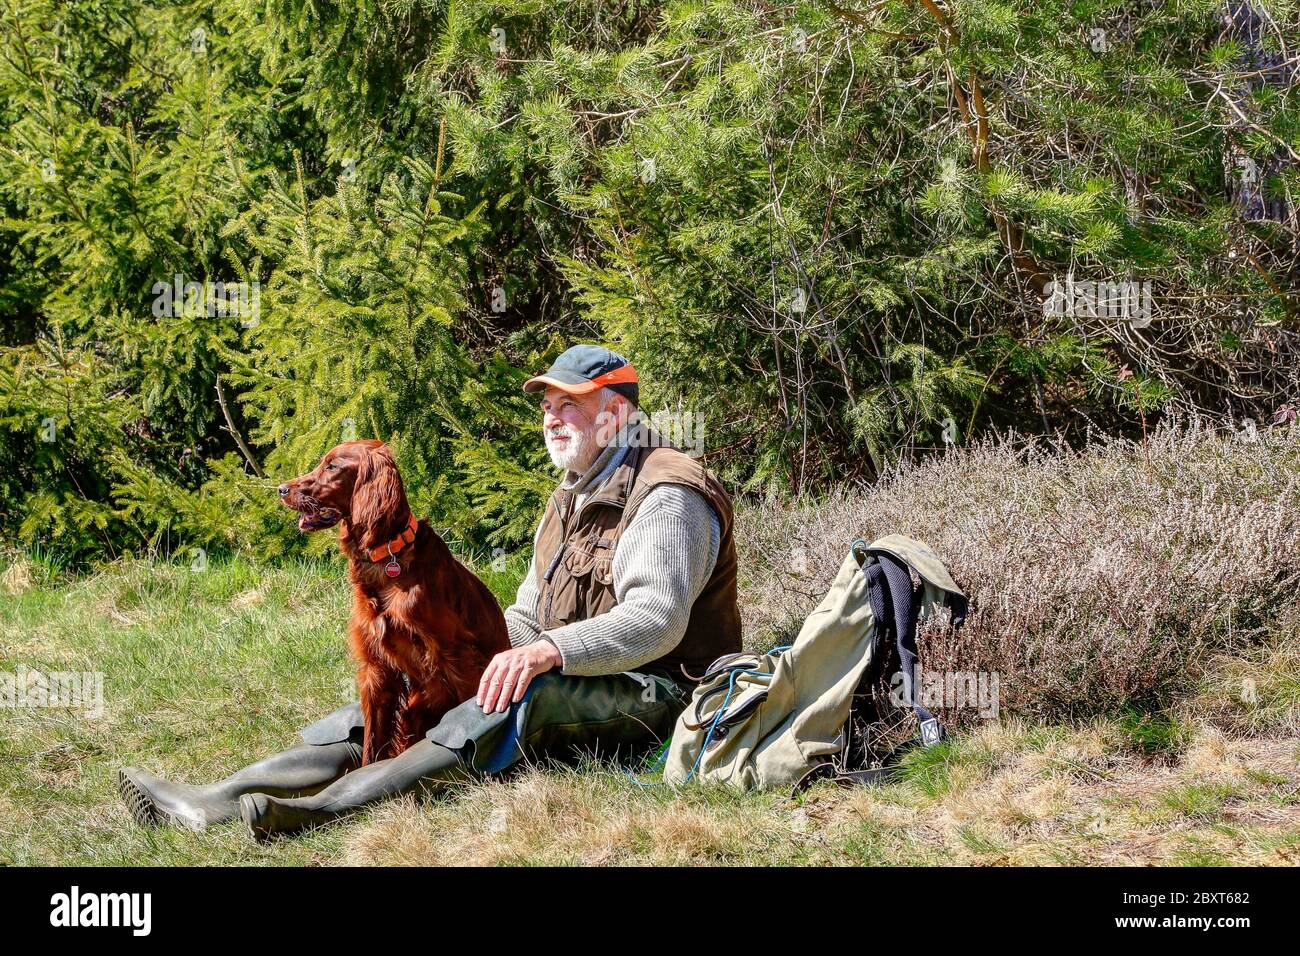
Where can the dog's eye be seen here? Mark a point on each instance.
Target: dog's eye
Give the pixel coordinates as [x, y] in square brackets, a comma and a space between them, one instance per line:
[331, 467]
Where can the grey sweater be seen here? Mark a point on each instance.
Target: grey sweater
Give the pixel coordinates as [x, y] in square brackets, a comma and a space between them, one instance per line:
[663, 560]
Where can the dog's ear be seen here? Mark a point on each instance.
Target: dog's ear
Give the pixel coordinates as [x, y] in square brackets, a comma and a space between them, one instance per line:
[377, 495]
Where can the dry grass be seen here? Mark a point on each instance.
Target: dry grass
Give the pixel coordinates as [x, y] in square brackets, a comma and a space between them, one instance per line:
[17, 578]
[1098, 578]
[1254, 691]
[554, 817]
[1009, 794]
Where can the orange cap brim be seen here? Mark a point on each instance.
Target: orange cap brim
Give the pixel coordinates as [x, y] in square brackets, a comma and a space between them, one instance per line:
[538, 382]
[626, 373]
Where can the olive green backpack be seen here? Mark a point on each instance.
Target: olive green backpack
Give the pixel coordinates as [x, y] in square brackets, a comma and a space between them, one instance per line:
[797, 713]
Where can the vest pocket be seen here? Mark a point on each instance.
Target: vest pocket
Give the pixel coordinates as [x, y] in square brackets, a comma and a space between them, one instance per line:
[593, 577]
[579, 563]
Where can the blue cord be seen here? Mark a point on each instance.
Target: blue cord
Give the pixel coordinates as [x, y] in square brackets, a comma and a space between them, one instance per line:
[708, 738]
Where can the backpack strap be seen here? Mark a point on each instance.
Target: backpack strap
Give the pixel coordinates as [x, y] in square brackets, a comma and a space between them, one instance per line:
[895, 606]
[906, 604]
[845, 778]
[878, 601]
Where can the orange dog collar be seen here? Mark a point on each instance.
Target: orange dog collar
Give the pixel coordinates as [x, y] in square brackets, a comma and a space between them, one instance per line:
[397, 544]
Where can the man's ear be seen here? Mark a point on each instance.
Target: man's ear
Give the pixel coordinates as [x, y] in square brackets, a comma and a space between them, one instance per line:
[612, 418]
[621, 408]
[377, 493]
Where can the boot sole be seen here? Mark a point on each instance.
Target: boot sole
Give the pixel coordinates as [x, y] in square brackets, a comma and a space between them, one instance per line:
[248, 813]
[144, 808]
[138, 802]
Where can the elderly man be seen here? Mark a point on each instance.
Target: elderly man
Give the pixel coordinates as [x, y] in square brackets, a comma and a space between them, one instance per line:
[632, 584]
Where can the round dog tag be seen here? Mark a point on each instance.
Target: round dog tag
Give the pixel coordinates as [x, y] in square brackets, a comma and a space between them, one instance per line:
[392, 568]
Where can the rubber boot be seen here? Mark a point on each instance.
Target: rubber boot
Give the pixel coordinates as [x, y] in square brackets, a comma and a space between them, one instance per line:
[426, 767]
[292, 773]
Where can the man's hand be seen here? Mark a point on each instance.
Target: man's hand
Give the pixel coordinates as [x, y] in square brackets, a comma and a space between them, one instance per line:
[510, 673]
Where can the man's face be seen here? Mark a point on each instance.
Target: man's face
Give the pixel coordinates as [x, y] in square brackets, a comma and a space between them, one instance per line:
[577, 427]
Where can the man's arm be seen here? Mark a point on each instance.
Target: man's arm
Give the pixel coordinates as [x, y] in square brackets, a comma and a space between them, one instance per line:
[521, 617]
[522, 624]
[663, 560]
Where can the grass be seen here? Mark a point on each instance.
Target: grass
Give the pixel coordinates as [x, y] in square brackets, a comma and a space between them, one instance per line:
[1158, 734]
[205, 671]
[1102, 578]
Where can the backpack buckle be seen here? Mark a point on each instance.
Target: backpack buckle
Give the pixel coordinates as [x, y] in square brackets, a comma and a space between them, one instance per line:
[931, 732]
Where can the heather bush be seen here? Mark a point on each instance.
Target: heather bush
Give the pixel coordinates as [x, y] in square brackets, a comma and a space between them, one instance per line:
[1097, 578]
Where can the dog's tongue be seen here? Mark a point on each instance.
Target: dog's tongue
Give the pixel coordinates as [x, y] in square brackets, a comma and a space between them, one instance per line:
[304, 522]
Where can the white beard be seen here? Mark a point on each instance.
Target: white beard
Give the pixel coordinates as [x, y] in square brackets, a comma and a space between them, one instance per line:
[571, 454]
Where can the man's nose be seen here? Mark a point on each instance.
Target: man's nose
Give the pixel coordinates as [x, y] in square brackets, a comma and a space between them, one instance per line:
[284, 491]
[550, 420]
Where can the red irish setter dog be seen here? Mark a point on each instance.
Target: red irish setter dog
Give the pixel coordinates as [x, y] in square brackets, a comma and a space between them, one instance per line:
[423, 627]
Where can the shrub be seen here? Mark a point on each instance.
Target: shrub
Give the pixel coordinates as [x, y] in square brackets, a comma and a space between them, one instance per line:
[1098, 578]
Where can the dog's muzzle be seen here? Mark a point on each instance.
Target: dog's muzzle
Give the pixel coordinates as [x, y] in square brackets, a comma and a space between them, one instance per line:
[313, 517]
[319, 520]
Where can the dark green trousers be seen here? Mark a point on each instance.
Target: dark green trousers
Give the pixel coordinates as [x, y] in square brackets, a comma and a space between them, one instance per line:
[618, 716]
[561, 717]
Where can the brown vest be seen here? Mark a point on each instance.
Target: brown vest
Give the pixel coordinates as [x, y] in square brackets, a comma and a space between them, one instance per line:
[575, 553]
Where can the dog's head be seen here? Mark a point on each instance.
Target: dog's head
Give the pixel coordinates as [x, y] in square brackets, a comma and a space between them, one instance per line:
[356, 480]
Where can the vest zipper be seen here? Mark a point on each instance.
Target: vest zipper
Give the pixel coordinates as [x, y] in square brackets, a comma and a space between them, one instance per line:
[564, 534]
[555, 563]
